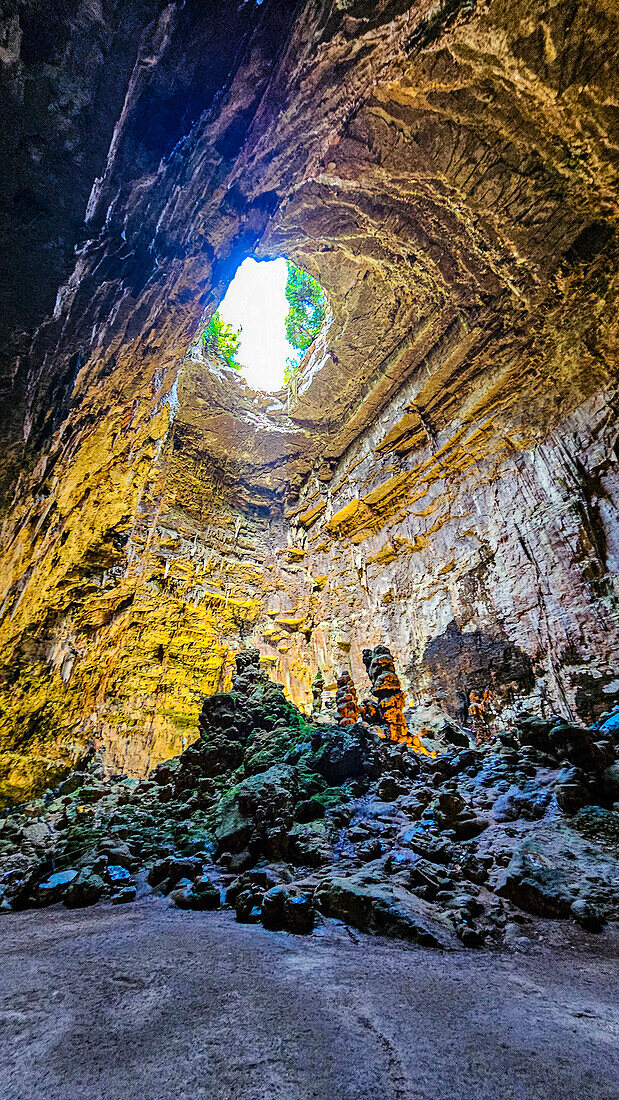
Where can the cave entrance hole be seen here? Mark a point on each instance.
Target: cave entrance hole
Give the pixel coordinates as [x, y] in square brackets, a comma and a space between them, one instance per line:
[269, 316]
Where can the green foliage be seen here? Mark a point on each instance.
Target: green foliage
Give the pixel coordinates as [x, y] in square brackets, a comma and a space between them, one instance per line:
[219, 338]
[292, 366]
[307, 309]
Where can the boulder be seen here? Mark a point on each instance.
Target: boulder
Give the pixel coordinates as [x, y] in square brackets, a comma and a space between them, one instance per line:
[250, 812]
[92, 792]
[85, 889]
[124, 895]
[310, 809]
[580, 747]
[437, 731]
[119, 854]
[530, 803]
[572, 790]
[434, 848]
[370, 849]
[220, 755]
[206, 893]
[53, 888]
[248, 905]
[72, 783]
[309, 844]
[608, 725]
[389, 787]
[533, 731]
[553, 867]
[286, 909]
[342, 754]
[386, 909]
[171, 869]
[273, 790]
[610, 782]
[450, 811]
[200, 894]
[588, 916]
[116, 874]
[426, 879]
[599, 825]
[234, 829]
[179, 896]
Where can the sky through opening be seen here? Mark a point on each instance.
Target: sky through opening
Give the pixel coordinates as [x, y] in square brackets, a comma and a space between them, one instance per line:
[256, 302]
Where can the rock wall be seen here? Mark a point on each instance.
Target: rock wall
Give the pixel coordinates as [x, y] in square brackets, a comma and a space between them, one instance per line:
[445, 480]
[519, 554]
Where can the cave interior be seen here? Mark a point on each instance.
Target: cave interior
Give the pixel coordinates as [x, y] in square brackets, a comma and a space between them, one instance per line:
[444, 478]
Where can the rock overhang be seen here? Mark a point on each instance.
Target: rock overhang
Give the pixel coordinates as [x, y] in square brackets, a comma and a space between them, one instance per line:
[449, 178]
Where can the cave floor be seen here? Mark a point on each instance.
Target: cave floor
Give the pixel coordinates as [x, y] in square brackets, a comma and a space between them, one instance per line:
[148, 1001]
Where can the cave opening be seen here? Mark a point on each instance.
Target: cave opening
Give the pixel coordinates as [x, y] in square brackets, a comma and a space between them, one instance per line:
[268, 318]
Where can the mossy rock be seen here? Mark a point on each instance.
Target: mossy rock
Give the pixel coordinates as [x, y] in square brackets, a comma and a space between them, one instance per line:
[310, 783]
[331, 797]
[309, 844]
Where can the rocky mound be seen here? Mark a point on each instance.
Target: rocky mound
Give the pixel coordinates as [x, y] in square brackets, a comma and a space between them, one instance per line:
[287, 821]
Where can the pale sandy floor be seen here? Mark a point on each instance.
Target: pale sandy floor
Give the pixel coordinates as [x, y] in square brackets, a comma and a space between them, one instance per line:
[112, 1003]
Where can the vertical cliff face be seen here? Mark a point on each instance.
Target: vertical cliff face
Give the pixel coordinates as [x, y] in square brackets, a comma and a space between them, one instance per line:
[64, 69]
[445, 480]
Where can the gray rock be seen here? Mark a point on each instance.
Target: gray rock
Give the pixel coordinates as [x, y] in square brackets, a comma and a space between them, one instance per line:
[204, 894]
[529, 803]
[309, 844]
[124, 894]
[587, 915]
[310, 809]
[55, 886]
[179, 896]
[389, 787]
[436, 849]
[382, 908]
[553, 867]
[284, 908]
[115, 873]
[343, 753]
[86, 888]
[248, 906]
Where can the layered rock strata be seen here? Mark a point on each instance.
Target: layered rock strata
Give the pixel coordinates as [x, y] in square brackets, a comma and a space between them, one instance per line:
[445, 477]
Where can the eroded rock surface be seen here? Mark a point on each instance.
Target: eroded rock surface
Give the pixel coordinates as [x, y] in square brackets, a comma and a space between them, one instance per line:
[445, 477]
[288, 822]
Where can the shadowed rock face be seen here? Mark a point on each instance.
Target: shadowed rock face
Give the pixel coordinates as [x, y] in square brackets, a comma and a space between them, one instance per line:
[63, 78]
[458, 664]
[449, 175]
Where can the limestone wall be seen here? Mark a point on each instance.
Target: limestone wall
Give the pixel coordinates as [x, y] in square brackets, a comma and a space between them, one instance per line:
[445, 480]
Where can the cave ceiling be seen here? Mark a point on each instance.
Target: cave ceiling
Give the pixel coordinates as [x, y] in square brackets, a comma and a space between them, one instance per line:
[431, 168]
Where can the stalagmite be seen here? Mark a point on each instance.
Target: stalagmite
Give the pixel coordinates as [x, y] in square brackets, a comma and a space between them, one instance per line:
[347, 707]
[248, 673]
[317, 690]
[388, 690]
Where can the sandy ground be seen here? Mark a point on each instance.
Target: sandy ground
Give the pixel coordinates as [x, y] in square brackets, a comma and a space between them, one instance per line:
[146, 1001]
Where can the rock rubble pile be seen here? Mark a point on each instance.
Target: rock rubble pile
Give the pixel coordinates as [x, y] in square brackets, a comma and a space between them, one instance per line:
[287, 822]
